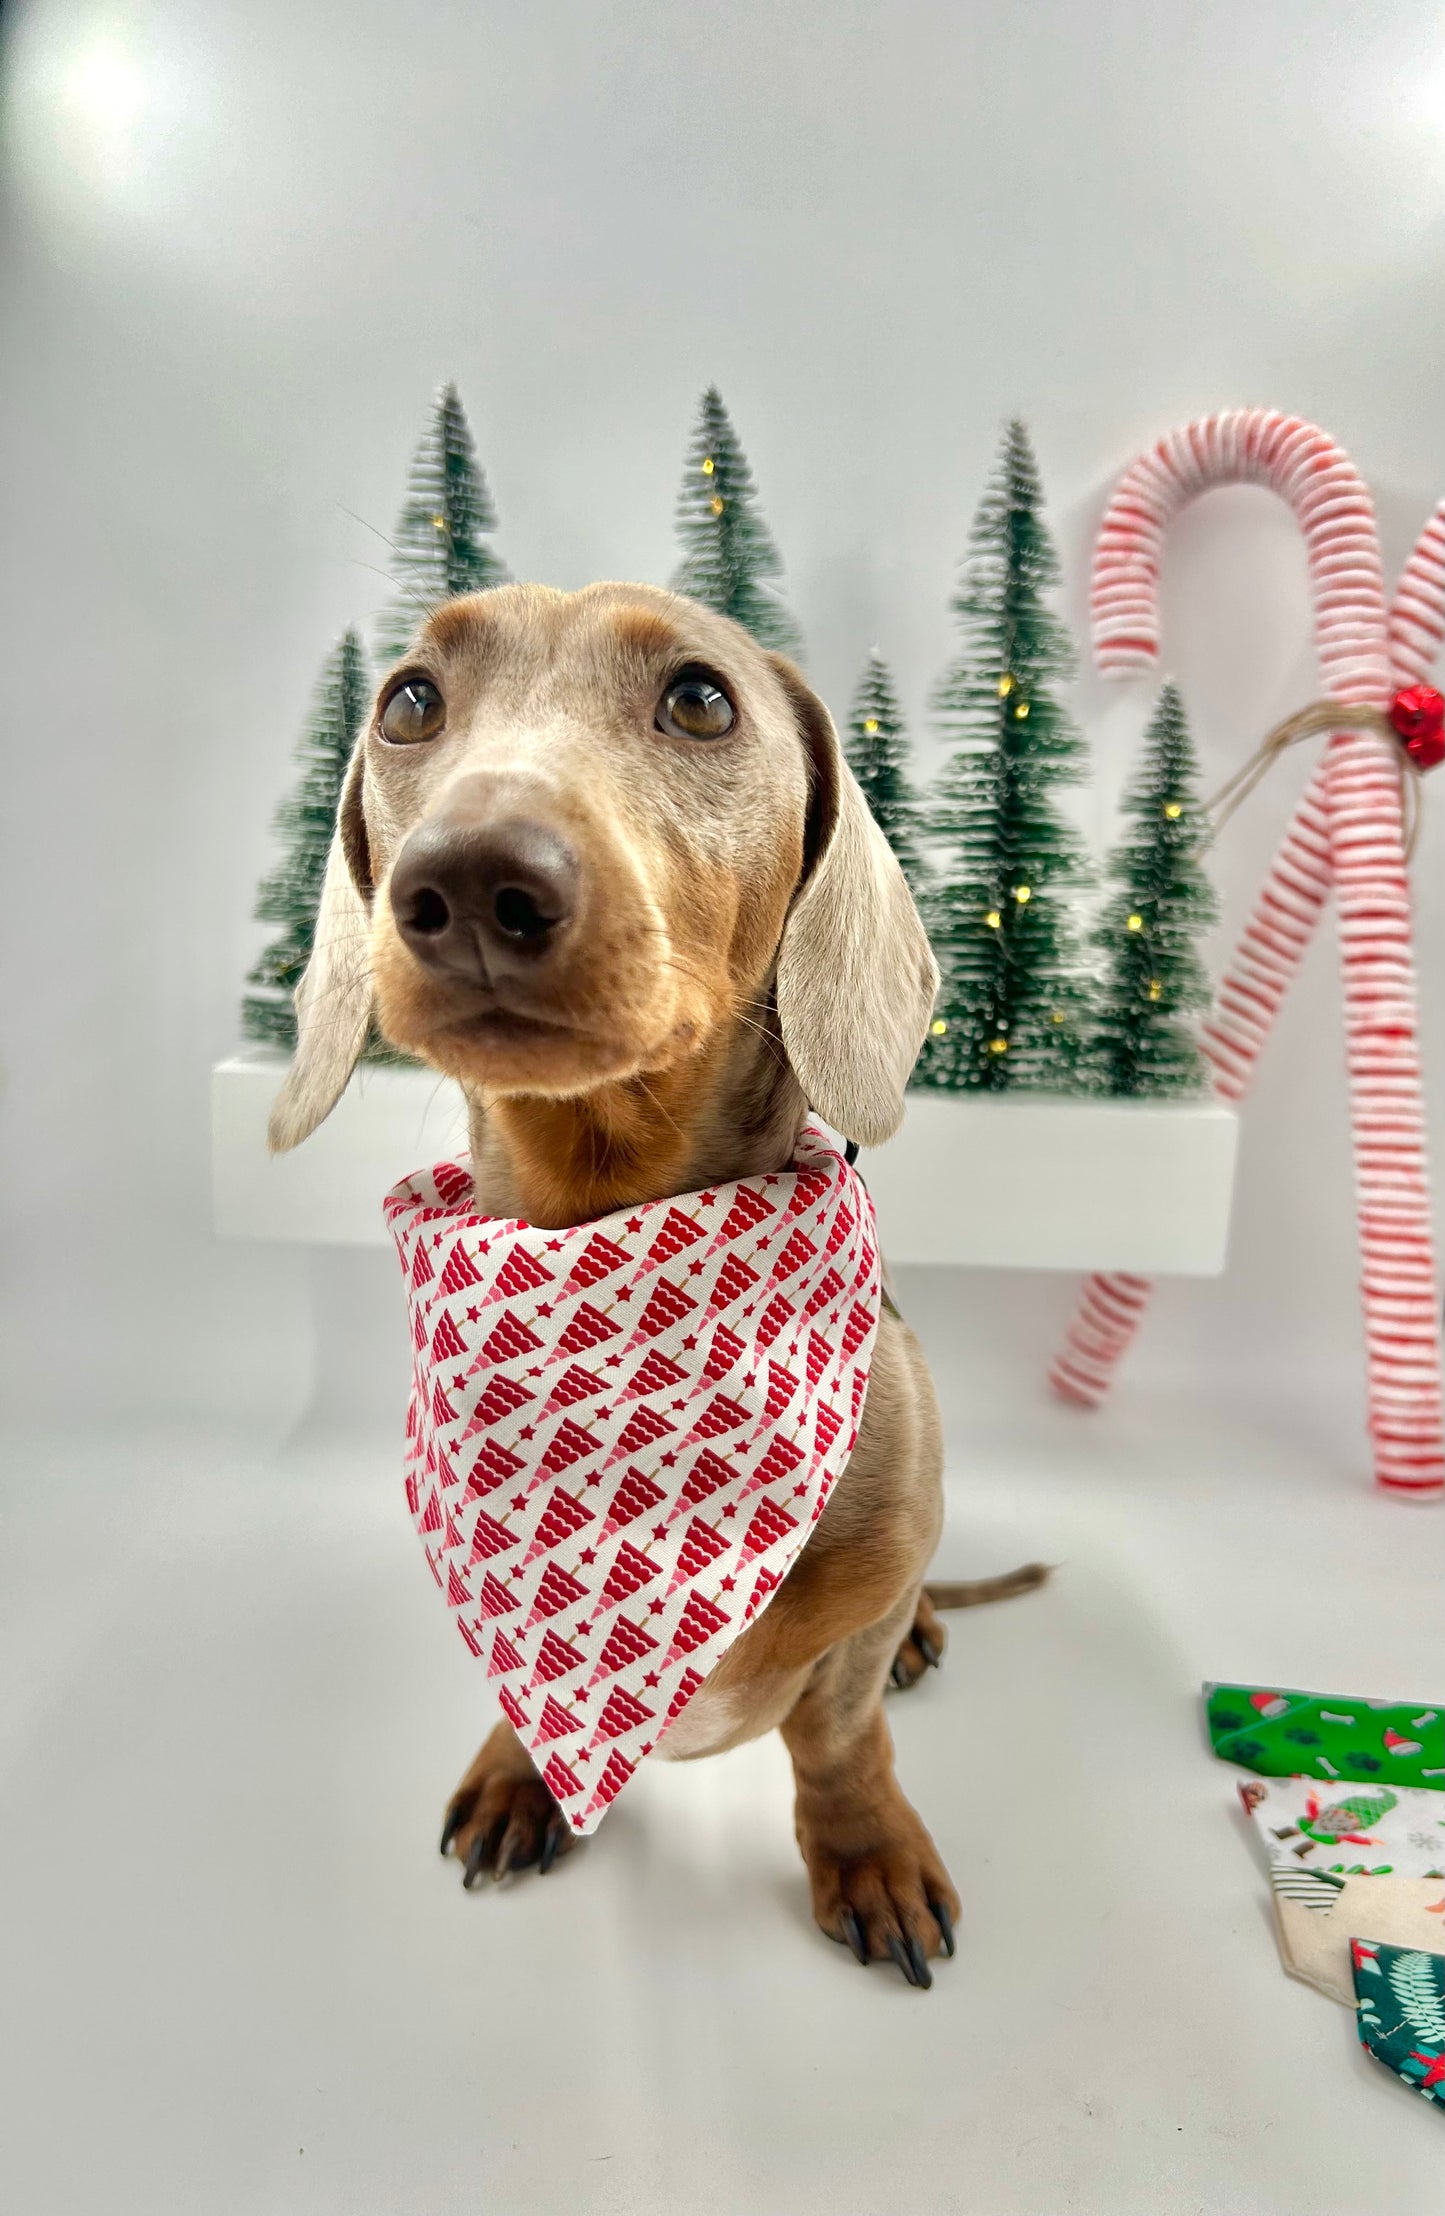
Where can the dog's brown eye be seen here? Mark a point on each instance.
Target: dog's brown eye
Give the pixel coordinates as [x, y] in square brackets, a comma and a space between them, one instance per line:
[695, 707]
[415, 711]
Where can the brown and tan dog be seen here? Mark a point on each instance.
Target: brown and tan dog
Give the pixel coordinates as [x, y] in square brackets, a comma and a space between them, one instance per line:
[600, 859]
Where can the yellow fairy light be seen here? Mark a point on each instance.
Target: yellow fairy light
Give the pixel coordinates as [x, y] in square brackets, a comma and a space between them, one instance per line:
[1173, 809]
[1134, 923]
[717, 505]
[993, 919]
[870, 725]
[1005, 686]
[938, 1027]
[1023, 893]
[1155, 988]
[1058, 1016]
[1021, 709]
[998, 1046]
[708, 466]
[439, 523]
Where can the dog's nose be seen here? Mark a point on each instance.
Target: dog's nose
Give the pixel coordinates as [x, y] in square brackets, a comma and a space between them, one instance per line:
[483, 900]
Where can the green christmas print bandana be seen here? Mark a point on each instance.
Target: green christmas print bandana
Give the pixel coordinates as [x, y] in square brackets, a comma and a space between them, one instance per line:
[1400, 2004]
[1280, 1733]
[1350, 1830]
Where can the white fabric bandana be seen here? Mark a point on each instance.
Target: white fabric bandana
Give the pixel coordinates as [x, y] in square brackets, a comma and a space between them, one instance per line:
[620, 1435]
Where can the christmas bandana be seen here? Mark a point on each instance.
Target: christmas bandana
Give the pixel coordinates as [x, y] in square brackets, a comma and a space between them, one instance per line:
[619, 1436]
[1400, 1997]
[1349, 1830]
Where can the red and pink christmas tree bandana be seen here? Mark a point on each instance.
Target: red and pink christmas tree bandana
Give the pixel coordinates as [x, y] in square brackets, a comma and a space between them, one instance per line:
[619, 1436]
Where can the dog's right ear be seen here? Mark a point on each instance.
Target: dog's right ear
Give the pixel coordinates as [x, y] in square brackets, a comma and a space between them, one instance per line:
[333, 999]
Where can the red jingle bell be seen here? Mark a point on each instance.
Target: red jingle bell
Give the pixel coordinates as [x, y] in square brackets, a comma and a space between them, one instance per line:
[1418, 714]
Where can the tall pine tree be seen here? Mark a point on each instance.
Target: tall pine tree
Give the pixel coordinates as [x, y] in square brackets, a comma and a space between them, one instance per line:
[728, 556]
[877, 749]
[440, 547]
[304, 822]
[1013, 1005]
[1158, 904]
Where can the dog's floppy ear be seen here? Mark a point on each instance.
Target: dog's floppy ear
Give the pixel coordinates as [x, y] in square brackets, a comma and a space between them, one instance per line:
[333, 999]
[856, 975]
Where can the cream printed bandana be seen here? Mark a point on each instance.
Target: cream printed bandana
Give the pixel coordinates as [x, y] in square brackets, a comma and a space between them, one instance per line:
[620, 1435]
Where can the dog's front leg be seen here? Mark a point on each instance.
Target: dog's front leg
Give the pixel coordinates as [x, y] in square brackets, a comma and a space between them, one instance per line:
[502, 1817]
[877, 1882]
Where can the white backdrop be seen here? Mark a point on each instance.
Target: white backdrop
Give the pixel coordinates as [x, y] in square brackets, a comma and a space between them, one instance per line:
[242, 244]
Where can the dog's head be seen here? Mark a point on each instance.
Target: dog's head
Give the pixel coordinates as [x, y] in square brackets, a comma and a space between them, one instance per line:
[583, 833]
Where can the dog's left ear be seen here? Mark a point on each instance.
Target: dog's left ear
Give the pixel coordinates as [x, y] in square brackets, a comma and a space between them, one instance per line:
[856, 975]
[333, 999]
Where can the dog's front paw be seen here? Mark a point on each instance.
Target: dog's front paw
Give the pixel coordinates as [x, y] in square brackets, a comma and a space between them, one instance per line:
[502, 1817]
[890, 1901]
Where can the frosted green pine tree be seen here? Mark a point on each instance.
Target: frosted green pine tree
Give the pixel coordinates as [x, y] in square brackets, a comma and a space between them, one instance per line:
[876, 745]
[728, 556]
[440, 549]
[1013, 1006]
[1158, 904]
[290, 895]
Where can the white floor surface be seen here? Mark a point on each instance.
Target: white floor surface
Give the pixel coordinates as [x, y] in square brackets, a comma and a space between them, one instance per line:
[239, 1981]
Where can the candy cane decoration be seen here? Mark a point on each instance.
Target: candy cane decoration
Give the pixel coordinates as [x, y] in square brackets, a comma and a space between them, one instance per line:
[1347, 836]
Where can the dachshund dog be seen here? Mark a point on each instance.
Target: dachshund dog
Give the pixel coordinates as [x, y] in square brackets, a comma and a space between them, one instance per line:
[599, 858]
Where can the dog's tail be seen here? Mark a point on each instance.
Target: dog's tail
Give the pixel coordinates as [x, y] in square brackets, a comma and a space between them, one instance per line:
[973, 1591]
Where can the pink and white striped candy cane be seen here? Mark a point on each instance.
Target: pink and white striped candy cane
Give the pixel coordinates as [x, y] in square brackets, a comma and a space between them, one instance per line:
[1346, 835]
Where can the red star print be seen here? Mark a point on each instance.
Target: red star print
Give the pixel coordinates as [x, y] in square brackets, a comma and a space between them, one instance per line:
[588, 1554]
[554, 1246]
[534, 1373]
[436, 1239]
[624, 1292]
[655, 1608]
[749, 1379]
[752, 1304]
[519, 1500]
[770, 1181]
[543, 1309]
[689, 1343]
[457, 1383]
[529, 1431]
[707, 1200]
[679, 1404]
[634, 1223]
[602, 1415]
[732, 1511]
[472, 1314]
[728, 1584]
[668, 1460]
[590, 1481]
[659, 1531]
[651, 1678]
[694, 1269]
[799, 1491]
[614, 1361]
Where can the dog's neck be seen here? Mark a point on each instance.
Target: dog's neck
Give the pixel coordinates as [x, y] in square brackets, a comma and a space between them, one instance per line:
[732, 1110]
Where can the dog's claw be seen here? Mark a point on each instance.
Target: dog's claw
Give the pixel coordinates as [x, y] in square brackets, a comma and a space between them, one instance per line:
[475, 1861]
[898, 1674]
[456, 1817]
[931, 1653]
[944, 1922]
[852, 1935]
[910, 1961]
[550, 1843]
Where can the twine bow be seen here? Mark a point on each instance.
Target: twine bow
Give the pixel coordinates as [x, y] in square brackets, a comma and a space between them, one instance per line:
[1415, 719]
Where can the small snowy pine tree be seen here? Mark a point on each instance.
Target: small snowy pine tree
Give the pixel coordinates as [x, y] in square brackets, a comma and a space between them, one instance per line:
[728, 554]
[876, 745]
[440, 548]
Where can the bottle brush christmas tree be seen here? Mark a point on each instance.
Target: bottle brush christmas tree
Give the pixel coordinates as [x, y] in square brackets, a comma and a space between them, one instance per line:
[877, 750]
[1013, 1004]
[1158, 904]
[440, 548]
[291, 894]
[728, 554]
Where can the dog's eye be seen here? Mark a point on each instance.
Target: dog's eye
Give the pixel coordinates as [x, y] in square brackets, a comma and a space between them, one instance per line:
[695, 707]
[415, 711]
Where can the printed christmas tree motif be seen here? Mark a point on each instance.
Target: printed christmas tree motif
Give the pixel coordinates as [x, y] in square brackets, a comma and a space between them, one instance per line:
[729, 559]
[452, 1535]
[1158, 906]
[520, 1273]
[413, 1501]
[511, 1707]
[840, 1230]
[828, 1289]
[701, 1545]
[445, 1470]
[555, 1721]
[569, 1444]
[770, 1524]
[734, 1279]
[558, 1589]
[598, 1259]
[559, 1780]
[442, 1411]
[826, 1429]
[574, 1385]
[860, 1322]
[626, 1642]
[817, 1358]
[446, 1342]
[774, 1320]
[474, 1647]
[508, 1341]
[622, 1711]
[810, 1190]
[422, 1272]
[291, 894]
[612, 1780]
[562, 1515]
[677, 1234]
[1013, 1004]
[588, 1328]
[720, 1416]
[749, 1209]
[440, 542]
[504, 1657]
[767, 1584]
[494, 1599]
[633, 1497]
[689, 1683]
[700, 1621]
[708, 1475]
[556, 1657]
[639, 1432]
[502, 1397]
[781, 1459]
[630, 1571]
[459, 1273]
[432, 1514]
[655, 1373]
[453, 1183]
[797, 1251]
[667, 1306]
[489, 1539]
[722, 1354]
[418, 1331]
[494, 1465]
[457, 1594]
[877, 749]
